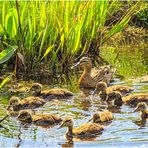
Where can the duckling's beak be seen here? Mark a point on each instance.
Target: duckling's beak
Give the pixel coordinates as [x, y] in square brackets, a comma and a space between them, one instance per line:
[95, 91]
[61, 126]
[75, 66]
[89, 120]
[136, 110]
[9, 107]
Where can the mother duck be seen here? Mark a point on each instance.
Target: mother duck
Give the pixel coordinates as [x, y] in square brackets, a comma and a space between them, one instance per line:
[90, 77]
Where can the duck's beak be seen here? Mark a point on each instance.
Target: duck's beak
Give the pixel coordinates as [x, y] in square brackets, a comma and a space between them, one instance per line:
[136, 110]
[75, 65]
[62, 125]
[89, 120]
[95, 91]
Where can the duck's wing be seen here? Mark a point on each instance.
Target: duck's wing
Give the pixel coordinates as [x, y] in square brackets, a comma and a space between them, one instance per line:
[104, 73]
[106, 116]
[58, 92]
[120, 88]
[88, 129]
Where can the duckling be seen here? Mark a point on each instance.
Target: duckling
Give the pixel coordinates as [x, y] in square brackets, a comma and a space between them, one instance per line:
[38, 119]
[102, 86]
[102, 117]
[85, 130]
[26, 103]
[143, 108]
[115, 97]
[57, 93]
[89, 77]
[134, 99]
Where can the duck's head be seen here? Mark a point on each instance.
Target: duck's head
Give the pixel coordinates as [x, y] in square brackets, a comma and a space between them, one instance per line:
[116, 97]
[14, 101]
[84, 63]
[25, 116]
[141, 107]
[96, 118]
[101, 86]
[36, 88]
[67, 122]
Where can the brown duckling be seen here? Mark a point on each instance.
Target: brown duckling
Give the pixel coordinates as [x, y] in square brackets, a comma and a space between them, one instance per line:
[102, 87]
[55, 93]
[102, 117]
[115, 98]
[134, 99]
[38, 119]
[85, 130]
[26, 103]
[89, 77]
[143, 108]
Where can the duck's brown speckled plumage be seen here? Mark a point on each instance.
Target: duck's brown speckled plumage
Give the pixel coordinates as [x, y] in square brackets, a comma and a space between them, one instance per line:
[90, 77]
[101, 117]
[39, 119]
[123, 89]
[85, 130]
[50, 93]
[134, 99]
[27, 103]
[142, 107]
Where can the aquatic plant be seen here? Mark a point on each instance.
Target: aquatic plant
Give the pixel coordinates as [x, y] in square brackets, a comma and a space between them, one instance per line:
[58, 32]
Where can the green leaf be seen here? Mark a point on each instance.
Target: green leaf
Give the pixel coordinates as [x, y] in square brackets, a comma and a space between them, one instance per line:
[47, 51]
[6, 54]
[5, 81]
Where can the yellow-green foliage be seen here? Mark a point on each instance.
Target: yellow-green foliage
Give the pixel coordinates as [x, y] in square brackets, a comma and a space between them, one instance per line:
[59, 29]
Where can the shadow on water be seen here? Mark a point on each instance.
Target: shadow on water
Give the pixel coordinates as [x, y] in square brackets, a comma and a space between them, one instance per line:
[126, 129]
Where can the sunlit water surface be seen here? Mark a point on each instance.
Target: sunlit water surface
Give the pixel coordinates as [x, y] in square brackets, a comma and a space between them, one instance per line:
[126, 130]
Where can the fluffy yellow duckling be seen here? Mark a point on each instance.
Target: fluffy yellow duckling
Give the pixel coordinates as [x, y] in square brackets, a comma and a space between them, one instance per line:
[38, 119]
[102, 117]
[89, 77]
[57, 93]
[102, 87]
[85, 130]
[143, 108]
[26, 103]
[134, 99]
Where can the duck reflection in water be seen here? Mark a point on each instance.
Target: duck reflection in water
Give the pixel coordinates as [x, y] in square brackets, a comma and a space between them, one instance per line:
[69, 143]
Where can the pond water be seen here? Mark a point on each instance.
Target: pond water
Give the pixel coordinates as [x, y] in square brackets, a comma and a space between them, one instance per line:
[126, 130]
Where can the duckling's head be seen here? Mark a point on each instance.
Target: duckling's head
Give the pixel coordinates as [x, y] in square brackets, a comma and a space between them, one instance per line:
[67, 122]
[14, 101]
[84, 63]
[101, 86]
[116, 97]
[25, 116]
[141, 107]
[36, 88]
[96, 118]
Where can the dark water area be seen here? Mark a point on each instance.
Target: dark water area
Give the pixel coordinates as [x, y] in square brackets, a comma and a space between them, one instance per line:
[126, 130]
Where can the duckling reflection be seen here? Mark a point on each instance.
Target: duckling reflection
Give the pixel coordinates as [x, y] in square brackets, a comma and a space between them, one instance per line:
[68, 143]
[84, 131]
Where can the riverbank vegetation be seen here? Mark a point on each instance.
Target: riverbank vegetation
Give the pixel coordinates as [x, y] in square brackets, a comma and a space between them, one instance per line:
[47, 37]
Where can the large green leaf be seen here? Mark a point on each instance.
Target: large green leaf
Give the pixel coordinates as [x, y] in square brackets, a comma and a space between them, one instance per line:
[6, 54]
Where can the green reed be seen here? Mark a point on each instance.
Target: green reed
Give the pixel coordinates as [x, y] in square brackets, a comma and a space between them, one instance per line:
[56, 32]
